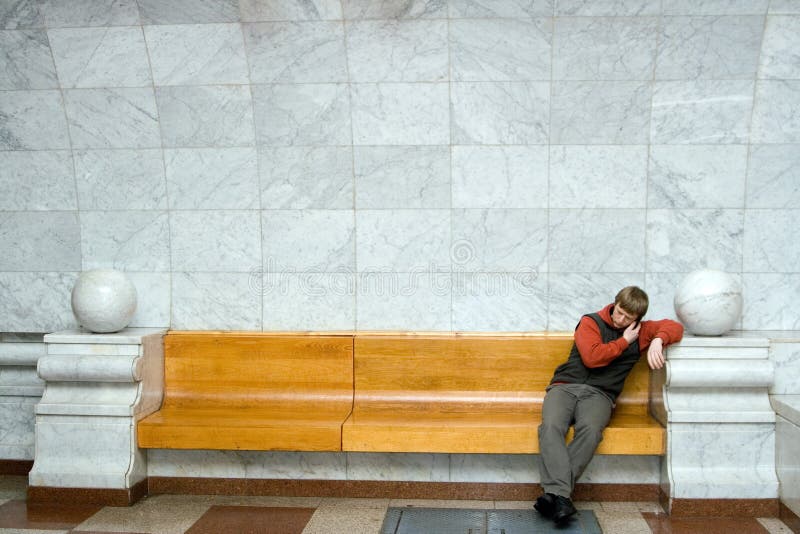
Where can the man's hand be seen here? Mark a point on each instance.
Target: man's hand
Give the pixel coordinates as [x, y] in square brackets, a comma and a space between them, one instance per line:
[655, 353]
[631, 333]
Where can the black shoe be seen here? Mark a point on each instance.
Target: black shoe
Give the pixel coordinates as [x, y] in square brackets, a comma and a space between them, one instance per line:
[546, 505]
[563, 509]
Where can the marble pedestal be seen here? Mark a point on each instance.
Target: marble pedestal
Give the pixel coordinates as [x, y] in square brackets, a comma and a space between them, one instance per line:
[96, 387]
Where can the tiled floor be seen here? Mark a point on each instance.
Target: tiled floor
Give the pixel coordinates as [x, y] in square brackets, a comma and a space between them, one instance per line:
[178, 514]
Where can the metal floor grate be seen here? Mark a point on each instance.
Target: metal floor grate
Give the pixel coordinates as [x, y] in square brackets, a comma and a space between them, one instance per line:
[466, 521]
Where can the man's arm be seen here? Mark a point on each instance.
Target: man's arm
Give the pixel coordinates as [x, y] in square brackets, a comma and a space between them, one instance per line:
[655, 335]
[595, 353]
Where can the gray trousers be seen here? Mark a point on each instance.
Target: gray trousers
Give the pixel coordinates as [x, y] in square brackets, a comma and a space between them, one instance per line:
[589, 409]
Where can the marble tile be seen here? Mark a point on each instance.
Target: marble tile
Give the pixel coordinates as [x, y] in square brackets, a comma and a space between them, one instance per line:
[661, 288]
[701, 112]
[768, 238]
[506, 468]
[499, 177]
[125, 240]
[408, 9]
[400, 114]
[296, 52]
[786, 359]
[411, 51]
[308, 240]
[303, 114]
[215, 240]
[100, 57]
[112, 118]
[784, 7]
[120, 179]
[197, 54]
[295, 465]
[152, 299]
[188, 11]
[398, 466]
[273, 10]
[215, 301]
[147, 516]
[500, 49]
[600, 113]
[41, 241]
[571, 295]
[607, 8]
[779, 57]
[342, 519]
[575, 234]
[403, 301]
[402, 240]
[716, 7]
[776, 116]
[501, 8]
[195, 463]
[205, 116]
[604, 48]
[598, 176]
[306, 177]
[40, 180]
[773, 176]
[32, 120]
[36, 302]
[500, 302]
[709, 47]
[212, 178]
[26, 61]
[20, 14]
[701, 176]
[309, 301]
[505, 113]
[683, 240]
[77, 13]
[770, 301]
[402, 177]
[618, 469]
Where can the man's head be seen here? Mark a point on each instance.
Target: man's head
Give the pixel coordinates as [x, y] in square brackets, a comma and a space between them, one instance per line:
[630, 305]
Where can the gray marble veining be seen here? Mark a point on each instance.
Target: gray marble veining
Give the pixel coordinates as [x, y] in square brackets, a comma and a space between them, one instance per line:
[25, 60]
[306, 177]
[42, 180]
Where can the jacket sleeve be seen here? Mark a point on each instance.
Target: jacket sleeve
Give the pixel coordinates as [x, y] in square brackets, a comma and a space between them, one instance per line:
[595, 353]
[668, 330]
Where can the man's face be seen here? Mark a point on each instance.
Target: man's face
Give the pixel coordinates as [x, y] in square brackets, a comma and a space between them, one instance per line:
[621, 318]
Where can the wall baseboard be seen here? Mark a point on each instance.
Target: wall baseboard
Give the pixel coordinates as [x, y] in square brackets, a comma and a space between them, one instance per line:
[15, 467]
[98, 496]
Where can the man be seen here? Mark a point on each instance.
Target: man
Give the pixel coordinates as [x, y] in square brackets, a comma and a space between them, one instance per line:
[584, 389]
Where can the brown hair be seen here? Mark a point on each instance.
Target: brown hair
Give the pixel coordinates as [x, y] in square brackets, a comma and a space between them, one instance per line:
[633, 300]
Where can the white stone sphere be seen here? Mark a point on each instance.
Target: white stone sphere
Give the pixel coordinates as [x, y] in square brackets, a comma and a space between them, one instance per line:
[708, 302]
[103, 300]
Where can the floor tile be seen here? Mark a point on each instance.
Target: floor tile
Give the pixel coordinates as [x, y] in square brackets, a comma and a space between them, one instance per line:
[17, 514]
[664, 524]
[13, 487]
[252, 520]
[345, 520]
[775, 526]
[150, 516]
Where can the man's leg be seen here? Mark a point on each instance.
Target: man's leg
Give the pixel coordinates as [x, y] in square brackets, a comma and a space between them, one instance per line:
[592, 413]
[555, 469]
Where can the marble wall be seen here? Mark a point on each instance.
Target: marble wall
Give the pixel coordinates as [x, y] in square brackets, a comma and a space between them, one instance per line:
[418, 164]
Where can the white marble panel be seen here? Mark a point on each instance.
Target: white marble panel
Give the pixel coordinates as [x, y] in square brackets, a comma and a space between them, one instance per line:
[779, 52]
[701, 176]
[309, 301]
[683, 240]
[197, 54]
[572, 295]
[215, 240]
[308, 240]
[402, 177]
[112, 118]
[215, 301]
[36, 302]
[660, 288]
[20, 14]
[773, 176]
[306, 177]
[500, 302]
[398, 466]
[32, 120]
[303, 114]
[273, 10]
[294, 465]
[786, 359]
[403, 240]
[26, 61]
[604, 48]
[40, 180]
[196, 463]
[787, 437]
[709, 47]
[715, 7]
[499, 240]
[77, 13]
[41, 241]
[74, 345]
[769, 241]
[576, 233]
[120, 179]
[503, 468]
[125, 240]
[188, 11]
[17, 415]
[20, 381]
[784, 7]
[410, 51]
[100, 57]
[770, 301]
[600, 113]
[499, 177]
[500, 49]
[409, 9]
[152, 299]
[212, 178]
[701, 112]
[776, 116]
[501, 8]
[400, 114]
[598, 176]
[608, 8]
[403, 301]
[298, 52]
[205, 116]
[503, 113]
[622, 469]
